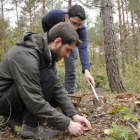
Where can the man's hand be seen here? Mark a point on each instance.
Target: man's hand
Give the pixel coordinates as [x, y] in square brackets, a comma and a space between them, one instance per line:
[81, 120]
[89, 78]
[75, 128]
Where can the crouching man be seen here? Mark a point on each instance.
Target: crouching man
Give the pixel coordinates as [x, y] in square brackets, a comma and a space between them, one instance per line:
[30, 87]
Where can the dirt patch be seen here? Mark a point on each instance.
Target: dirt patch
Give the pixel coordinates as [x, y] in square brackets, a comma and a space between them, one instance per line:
[100, 114]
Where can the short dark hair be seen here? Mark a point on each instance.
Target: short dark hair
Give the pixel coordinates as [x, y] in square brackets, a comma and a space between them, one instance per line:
[66, 32]
[77, 10]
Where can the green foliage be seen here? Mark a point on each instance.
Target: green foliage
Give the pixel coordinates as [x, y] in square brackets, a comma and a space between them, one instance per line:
[1, 52]
[131, 81]
[97, 72]
[100, 79]
[58, 109]
[17, 128]
[94, 33]
[109, 138]
[61, 73]
[119, 133]
[123, 112]
[80, 80]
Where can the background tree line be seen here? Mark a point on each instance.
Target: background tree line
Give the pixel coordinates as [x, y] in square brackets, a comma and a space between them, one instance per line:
[113, 37]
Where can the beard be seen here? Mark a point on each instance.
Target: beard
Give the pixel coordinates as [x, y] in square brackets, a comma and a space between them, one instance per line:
[56, 53]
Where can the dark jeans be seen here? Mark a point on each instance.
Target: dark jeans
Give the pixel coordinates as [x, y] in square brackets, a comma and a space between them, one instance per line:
[11, 99]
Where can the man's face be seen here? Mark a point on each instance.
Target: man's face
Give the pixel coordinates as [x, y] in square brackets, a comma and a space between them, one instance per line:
[76, 22]
[62, 51]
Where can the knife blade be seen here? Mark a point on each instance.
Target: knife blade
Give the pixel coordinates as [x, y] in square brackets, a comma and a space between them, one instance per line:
[93, 89]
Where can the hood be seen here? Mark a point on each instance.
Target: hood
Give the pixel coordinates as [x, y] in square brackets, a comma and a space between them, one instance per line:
[38, 42]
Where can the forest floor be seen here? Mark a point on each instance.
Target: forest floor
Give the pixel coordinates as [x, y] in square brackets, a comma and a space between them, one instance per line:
[101, 115]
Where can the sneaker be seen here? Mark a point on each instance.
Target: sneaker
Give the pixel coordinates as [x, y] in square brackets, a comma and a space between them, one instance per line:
[28, 132]
[11, 122]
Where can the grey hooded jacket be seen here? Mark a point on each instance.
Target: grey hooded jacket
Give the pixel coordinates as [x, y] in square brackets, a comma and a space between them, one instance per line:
[21, 65]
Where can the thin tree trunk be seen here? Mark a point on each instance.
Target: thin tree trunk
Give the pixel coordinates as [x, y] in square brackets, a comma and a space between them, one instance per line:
[52, 4]
[44, 11]
[130, 46]
[103, 45]
[30, 12]
[69, 4]
[35, 17]
[138, 15]
[134, 38]
[93, 57]
[121, 38]
[3, 24]
[17, 19]
[124, 33]
[103, 56]
[112, 68]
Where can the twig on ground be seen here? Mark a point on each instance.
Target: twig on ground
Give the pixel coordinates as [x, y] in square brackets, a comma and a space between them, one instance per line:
[133, 127]
[100, 115]
[1, 129]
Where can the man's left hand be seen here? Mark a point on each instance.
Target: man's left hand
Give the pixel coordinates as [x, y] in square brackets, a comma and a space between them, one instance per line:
[89, 78]
[81, 120]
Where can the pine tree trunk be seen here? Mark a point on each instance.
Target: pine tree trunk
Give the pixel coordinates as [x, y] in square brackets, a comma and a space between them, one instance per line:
[69, 4]
[124, 33]
[30, 13]
[93, 57]
[35, 17]
[134, 39]
[130, 46]
[138, 20]
[44, 11]
[112, 68]
[52, 4]
[17, 19]
[3, 24]
[103, 45]
[121, 38]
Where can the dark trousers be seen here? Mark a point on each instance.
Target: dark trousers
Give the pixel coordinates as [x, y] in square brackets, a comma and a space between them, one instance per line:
[12, 105]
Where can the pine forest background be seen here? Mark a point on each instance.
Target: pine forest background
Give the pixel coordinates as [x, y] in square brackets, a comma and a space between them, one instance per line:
[113, 38]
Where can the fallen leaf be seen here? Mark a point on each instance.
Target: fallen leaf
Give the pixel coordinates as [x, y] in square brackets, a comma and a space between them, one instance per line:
[11, 136]
[107, 131]
[100, 108]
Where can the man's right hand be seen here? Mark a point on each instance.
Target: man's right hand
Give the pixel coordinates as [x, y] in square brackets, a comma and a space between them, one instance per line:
[75, 128]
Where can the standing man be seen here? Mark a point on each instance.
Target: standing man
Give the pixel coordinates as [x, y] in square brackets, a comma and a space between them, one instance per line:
[76, 16]
[30, 87]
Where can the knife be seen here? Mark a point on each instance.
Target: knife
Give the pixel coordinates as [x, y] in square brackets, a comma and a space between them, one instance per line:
[93, 89]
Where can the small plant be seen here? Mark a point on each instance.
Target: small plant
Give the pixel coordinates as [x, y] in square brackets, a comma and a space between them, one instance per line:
[119, 133]
[123, 112]
[17, 128]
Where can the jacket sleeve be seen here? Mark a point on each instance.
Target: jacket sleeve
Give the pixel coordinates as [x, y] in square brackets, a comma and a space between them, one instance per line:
[84, 58]
[61, 97]
[25, 71]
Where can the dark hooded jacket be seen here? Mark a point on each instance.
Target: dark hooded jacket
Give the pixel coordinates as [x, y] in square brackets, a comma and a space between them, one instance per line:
[21, 65]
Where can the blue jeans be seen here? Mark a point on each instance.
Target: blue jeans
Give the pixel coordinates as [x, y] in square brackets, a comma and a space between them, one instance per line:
[70, 71]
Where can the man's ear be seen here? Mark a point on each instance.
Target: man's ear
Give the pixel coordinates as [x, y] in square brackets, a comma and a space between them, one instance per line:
[66, 17]
[57, 41]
